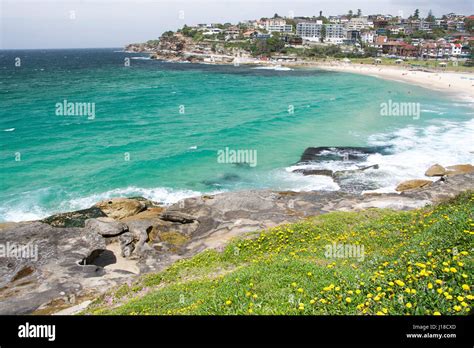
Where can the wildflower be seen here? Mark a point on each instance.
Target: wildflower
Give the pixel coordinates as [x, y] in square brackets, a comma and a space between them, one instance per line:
[250, 310]
[357, 291]
[228, 302]
[255, 296]
[430, 286]
[312, 301]
[293, 284]
[248, 294]
[465, 287]
[457, 308]
[348, 300]
[436, 313]
[379, 288]
[399, 282]
[309, 274]
[300, 290]
[438, 281]
[460, 298]
[452, 269]
[439, 291]
[408, 305]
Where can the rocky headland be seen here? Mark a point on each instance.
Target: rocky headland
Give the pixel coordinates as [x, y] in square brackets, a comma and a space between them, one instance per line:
[66, 260]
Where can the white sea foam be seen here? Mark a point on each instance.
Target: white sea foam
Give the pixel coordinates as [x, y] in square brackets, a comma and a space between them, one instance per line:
[413, 151]
[9, 130]
[32, 210]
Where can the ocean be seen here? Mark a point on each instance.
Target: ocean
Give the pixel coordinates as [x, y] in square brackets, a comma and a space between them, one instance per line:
[155, 129]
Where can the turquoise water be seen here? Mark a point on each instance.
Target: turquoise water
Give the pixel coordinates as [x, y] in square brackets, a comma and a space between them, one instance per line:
[70, 162]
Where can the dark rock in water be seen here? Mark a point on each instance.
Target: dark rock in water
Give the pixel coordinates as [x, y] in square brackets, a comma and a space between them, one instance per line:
[318, 154]
[75, 218]
[305, 172]
[223, 180]
[177, 216]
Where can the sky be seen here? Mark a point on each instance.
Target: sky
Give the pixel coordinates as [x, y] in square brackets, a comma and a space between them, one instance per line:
[115, 23]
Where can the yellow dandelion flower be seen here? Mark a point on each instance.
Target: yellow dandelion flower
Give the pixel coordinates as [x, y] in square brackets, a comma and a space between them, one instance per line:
[457, 308]
[436, 313]
[399, 282]
[300, 290]
[430, 286]
[312, 301]
[465, 287]
[408, 305]
[348, 300]
[228, 302]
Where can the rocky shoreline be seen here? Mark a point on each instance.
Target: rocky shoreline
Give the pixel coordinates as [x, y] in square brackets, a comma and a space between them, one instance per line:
[72, 258]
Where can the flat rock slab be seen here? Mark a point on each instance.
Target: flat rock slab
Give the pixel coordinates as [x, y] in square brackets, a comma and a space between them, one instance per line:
[105, 226]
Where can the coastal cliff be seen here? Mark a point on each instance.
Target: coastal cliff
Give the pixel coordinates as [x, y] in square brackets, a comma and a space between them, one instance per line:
[80, 255]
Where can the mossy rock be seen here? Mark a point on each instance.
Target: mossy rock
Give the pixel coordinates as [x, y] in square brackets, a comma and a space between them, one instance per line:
[174, 238]
[75, 218]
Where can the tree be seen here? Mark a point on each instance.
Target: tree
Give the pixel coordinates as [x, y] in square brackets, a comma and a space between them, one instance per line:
[350, 14]
[469, 24]
[359, 12]
[416, 15]
[430, 17]
[320, 14]
[276, 15]
[323, 33]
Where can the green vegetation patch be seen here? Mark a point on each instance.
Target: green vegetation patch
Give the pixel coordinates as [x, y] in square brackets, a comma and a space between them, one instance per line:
[374, 262]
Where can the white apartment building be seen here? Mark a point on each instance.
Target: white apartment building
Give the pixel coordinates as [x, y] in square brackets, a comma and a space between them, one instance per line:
[358, 23]
[312, 31]
[278, 25]
[367, 37]
[309, 30]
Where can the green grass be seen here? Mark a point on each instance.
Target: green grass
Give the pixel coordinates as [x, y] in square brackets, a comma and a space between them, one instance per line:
[416, 262]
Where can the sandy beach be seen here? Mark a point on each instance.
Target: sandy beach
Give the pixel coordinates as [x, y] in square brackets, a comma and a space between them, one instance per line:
[458, 85]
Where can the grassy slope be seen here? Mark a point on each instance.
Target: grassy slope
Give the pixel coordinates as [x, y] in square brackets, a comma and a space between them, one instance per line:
[416, 262]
